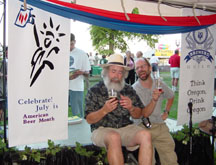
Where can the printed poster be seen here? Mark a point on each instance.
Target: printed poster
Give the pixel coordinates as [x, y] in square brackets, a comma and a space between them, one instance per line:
[197, 72]
[38, 67]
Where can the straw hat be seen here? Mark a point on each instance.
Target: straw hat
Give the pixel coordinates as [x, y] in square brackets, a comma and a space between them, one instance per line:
[115, 59]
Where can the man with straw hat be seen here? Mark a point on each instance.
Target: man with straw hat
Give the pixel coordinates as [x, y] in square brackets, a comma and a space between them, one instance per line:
[110, 104]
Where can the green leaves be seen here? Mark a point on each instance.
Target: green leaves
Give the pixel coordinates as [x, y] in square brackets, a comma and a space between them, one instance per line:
[36, 154]
[39, 156]
[183, 135]
[82, 151]
[31, 154]
[101, 156]
[3, 147]
[107, 41]
[52, 148]
[135, 10]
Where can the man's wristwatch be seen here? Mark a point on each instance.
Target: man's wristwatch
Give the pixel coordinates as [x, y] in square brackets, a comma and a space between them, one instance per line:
[166, 111]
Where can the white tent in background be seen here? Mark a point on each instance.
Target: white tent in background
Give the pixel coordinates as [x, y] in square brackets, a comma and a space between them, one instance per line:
[150, 7]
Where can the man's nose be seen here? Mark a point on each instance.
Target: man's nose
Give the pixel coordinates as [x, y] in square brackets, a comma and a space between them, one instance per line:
[138, 69]
[116, 76]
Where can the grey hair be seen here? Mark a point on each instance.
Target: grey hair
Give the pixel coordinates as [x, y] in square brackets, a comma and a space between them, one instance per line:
[105, 70]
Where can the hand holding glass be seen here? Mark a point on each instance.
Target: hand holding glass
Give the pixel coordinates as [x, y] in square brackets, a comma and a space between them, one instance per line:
[158, 84]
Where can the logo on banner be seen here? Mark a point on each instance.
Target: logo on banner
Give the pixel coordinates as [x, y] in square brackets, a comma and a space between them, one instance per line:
[46, 40]
[199, 42]
[24, 17]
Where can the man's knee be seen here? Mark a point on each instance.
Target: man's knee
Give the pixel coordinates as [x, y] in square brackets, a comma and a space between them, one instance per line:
[113, 137]
[145, 135]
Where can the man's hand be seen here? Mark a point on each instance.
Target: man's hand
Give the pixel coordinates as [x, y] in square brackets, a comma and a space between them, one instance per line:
[164, 116]
[76, 74]
[156, 94]
[126, 102]
[110, 105]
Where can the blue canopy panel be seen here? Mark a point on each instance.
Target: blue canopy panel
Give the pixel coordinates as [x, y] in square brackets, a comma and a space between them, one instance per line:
[109, 22]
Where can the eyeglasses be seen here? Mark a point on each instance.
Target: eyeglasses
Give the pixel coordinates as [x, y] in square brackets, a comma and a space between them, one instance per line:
[142, 66]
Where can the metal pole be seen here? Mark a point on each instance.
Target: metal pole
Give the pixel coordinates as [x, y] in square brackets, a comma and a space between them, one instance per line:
[4, 75]
[190, 105]
[213, 130]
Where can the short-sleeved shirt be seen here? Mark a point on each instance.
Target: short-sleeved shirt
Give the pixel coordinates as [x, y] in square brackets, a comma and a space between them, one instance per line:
[91, 60]
[120, 117]
[145, 95]
[78, 60]
[154, 60]
[174, 61]
[103, 61]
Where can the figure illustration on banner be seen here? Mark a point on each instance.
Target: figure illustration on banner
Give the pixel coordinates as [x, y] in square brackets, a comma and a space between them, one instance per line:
[39, 58]
[49, 35]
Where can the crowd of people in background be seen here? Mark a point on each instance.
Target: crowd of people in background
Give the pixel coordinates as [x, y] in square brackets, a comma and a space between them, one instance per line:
[83, 65]
[130, 59]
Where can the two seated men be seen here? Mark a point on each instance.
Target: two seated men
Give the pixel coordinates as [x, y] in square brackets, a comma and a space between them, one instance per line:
[111, 118]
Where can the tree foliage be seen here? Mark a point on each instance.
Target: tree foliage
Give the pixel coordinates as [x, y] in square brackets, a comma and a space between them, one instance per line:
[106, 41]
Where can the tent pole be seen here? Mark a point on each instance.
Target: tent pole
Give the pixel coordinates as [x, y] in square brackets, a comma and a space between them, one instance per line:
[4, 75]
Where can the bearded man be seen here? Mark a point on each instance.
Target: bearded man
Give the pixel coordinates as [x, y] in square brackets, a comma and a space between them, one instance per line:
[110, 118]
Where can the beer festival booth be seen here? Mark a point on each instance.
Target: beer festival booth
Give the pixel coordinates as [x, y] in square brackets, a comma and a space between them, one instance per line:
[38, 40]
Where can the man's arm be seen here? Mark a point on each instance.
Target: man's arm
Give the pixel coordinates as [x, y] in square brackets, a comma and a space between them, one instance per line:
[147, 111]
[77, 73]
[167, 109]
[86, 73]
[135, 112]
[169, 103]
[96, 116]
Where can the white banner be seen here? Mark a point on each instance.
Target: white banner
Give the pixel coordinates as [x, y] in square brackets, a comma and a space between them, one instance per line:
[197, 74]
[38, 68]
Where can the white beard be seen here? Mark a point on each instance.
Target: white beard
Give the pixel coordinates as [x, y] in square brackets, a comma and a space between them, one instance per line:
[113, 85]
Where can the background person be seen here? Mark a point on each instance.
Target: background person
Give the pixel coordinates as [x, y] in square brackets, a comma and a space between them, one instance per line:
[174, 62]
[103, 60]
[96, 59]
[79, 67]
[110, 118]
[154, 61]
[139, 54]
[145, 88]
[91, 61]
[129, 62]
